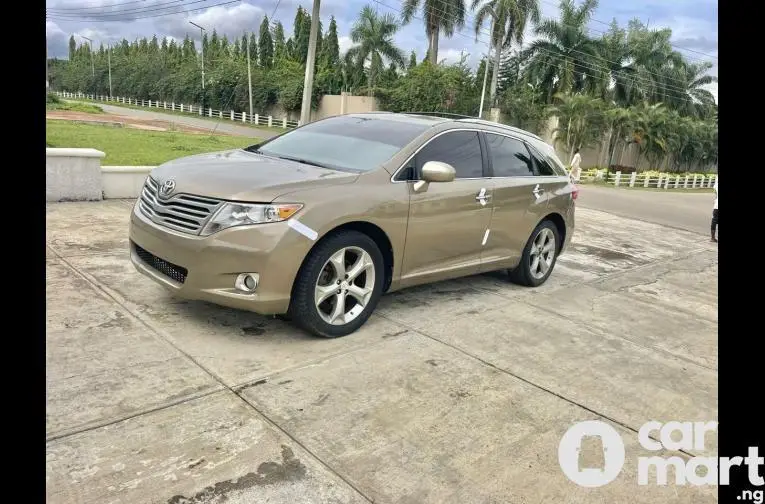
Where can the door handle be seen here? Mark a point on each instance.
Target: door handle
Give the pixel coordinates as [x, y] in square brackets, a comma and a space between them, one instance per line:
[482, 196]
[538, 192]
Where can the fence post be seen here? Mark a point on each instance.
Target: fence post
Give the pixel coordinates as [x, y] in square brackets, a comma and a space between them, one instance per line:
[677, 181]
[666, 183]
[257, 119]
[711, 184]
[232, 115]
[701, 183]
[685, 184]
[209, 112]
[647, 181]
[658, 182]
[172, 105]
[270, 121]
[220, 114]
[284, 123]
[694, 180]
[632, 177]
[149, 103]
[616, 179]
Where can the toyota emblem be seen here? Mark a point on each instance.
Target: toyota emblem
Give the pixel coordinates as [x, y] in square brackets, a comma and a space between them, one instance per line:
[167, 188]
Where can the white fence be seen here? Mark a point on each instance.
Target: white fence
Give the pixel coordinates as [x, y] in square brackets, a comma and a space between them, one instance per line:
[661, 181]
[243, 117]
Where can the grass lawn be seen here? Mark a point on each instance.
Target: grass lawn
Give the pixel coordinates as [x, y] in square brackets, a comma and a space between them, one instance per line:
[134, 147]
[75, 107]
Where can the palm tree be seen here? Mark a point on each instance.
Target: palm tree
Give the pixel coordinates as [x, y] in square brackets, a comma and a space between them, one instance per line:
[580, 120]
[437, 15]
[373, 34]
[650, 132]
[509, 19]
[564, 58]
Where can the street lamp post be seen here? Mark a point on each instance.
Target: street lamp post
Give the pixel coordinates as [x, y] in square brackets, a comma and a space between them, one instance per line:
[109, 59]
[90, 48]
[486, 71]
[202, 43]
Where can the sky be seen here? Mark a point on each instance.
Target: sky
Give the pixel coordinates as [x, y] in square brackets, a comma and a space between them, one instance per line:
[693, 23]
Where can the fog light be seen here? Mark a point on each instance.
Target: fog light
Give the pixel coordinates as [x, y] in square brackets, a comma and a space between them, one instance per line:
[247, 282]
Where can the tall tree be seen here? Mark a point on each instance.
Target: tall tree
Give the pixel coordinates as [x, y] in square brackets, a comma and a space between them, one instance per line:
[72, 47]
[509, 20]
[280, 44]
[412, 60]
[438, 16]
[373, 35]
[564, 58]
[330, 49]
[265, 45]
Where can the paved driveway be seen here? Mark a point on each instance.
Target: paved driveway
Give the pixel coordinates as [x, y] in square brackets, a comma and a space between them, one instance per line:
[454, 392]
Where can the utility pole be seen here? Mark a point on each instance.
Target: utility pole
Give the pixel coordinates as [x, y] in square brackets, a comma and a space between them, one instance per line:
[249, 72]
[109, 59]
[202, 43]
[486, 72]
[305, 112]
[47, 81]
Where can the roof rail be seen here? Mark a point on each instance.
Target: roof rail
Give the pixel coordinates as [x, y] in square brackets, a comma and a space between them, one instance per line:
[445, 115]
[500, 125]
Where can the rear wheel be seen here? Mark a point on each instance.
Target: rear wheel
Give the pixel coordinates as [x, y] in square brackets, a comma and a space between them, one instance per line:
[539, 256]
[339, 285]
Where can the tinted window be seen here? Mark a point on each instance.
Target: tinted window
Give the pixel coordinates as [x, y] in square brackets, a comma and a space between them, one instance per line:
[510, 158]
[461, 149]
[346, 142]
[546, 165]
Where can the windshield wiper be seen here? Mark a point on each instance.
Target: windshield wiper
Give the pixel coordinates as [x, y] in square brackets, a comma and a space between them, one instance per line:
[302, 161]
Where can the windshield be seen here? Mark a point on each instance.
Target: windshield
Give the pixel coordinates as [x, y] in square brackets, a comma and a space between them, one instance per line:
[344, 143]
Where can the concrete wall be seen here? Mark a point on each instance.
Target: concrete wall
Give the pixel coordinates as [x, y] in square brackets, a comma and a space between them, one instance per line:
[331, 105]
[73, 175]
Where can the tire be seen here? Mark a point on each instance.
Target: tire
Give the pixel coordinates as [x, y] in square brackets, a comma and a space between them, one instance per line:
[523, 274]
[318, 278]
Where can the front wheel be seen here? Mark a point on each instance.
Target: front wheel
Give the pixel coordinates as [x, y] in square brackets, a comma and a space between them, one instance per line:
[339, 285]
[539, 256]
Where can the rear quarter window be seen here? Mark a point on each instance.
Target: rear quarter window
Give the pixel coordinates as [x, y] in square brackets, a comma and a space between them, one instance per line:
[546, 161]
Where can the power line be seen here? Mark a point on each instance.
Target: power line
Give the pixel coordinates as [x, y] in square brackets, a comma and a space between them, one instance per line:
[118, 4]
[590, 65]
[593, 67]
[128, 13]
[130, 18]
[548, 2]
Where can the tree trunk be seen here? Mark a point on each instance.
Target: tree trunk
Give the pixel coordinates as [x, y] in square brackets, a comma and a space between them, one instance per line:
[433, 44]
[495, 75]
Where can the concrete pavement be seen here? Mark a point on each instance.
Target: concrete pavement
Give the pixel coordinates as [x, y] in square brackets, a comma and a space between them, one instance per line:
[688, 210]
[454, 392]
[223, 125]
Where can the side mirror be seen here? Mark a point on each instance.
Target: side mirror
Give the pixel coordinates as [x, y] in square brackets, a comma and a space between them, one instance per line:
[436, 171]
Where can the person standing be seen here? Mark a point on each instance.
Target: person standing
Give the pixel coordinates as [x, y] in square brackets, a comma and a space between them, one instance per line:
[576, 170]
[715, 216]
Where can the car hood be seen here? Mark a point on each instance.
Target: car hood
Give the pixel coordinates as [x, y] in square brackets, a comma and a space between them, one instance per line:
[239, 175]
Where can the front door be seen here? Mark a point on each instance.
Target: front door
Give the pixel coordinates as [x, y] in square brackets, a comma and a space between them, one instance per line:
[448, 221]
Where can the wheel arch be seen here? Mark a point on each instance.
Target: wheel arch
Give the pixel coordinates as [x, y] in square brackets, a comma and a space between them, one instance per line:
[376, 233]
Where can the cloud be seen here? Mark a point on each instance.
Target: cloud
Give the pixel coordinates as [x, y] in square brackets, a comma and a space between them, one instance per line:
[345, 43]
[231, 21]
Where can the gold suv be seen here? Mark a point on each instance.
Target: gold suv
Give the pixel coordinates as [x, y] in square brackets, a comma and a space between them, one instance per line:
[320, 221]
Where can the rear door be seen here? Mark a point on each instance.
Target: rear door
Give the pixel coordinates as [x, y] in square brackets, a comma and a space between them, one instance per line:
[449, 220]
[520, 200]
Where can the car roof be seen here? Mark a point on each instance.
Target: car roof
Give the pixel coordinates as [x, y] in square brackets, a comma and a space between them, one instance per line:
[438, 118]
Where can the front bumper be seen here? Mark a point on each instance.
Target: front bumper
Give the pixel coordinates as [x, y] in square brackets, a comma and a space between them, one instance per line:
[206, 268]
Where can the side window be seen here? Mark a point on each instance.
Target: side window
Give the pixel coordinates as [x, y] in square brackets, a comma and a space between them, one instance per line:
[509, 157]
[461, 149]
[544, 167]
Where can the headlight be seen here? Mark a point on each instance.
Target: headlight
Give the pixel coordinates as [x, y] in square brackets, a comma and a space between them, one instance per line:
[243, 214]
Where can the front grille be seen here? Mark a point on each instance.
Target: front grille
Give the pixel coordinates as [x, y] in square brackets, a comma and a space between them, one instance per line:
[170, 270]
[182, 212]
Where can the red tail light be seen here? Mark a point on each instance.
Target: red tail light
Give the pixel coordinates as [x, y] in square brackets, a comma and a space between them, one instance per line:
[575, 192]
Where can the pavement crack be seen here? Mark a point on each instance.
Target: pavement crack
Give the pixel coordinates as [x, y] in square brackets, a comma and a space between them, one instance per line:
[578, 404]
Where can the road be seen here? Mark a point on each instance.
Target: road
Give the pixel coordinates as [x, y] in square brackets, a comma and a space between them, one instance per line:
[224, 125]
[691, 211]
